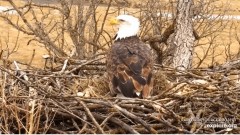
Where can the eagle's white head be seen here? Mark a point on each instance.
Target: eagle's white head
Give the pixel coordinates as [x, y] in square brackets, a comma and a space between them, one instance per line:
[127, 26]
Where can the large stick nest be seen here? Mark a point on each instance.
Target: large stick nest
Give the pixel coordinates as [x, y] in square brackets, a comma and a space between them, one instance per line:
[192, 101]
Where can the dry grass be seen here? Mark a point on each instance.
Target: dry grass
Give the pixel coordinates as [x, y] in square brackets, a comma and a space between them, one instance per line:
[233, 4]
[225, 43]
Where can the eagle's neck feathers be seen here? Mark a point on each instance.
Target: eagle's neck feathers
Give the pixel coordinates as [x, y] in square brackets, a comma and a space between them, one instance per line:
[129, 39]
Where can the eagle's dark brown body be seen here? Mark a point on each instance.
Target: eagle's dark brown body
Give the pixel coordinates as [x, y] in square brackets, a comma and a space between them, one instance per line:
[129, 67]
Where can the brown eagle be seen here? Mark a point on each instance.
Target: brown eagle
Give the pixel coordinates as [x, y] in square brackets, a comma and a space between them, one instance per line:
[129, 61]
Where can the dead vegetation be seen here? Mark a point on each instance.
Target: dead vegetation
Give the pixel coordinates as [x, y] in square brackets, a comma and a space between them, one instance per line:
[41, 101]
[70, 94]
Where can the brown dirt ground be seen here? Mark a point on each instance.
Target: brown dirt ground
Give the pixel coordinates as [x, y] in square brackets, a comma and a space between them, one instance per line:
[23, 53]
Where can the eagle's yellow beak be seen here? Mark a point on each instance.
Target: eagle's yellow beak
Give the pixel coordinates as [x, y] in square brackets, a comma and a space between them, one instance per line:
[114, 21]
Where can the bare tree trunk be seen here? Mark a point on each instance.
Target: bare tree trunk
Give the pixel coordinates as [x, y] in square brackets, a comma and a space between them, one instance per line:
[80, 47]
[183, 36]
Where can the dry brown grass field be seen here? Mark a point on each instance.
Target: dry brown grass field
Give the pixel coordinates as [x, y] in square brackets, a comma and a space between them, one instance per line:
[11, 41]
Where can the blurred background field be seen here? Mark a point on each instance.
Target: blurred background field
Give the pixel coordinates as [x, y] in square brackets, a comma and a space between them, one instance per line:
[15, 45]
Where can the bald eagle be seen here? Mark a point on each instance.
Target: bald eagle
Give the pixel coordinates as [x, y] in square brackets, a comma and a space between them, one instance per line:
[129, 61]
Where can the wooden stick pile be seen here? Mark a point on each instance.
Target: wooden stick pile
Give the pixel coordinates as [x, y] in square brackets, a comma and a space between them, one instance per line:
[193, 101]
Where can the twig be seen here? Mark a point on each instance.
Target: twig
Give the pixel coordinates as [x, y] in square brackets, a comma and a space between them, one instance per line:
[105, 120]
[64, 66]
[91, 116]
[170, 125]
[69, 112]
[119, 123]
[195, 122]
[76, 125]
[85, 63]
[83, 128]
[234, 100]
[31, 60]
[135, 118]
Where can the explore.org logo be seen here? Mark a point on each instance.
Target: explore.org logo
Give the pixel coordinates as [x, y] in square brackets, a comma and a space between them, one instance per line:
[213, 122]
[221, 125]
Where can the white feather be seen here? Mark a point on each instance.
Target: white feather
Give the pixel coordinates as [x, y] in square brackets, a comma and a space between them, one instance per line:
[129, 27]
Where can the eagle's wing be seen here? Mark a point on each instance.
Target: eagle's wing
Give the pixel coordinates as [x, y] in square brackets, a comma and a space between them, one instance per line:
[133, 73]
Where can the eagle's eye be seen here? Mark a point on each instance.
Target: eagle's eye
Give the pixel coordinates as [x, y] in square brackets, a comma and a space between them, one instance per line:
[121, 20]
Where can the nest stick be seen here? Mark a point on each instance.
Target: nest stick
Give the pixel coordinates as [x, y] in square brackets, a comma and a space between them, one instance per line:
[119, 122]
[170, 125]
[135, 118]
[91, 117]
